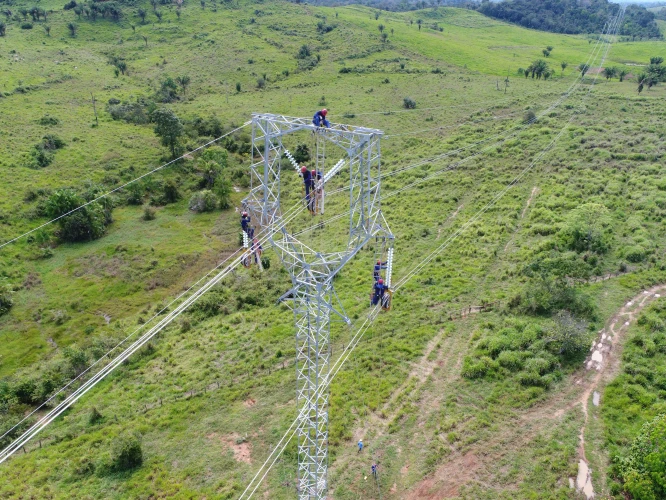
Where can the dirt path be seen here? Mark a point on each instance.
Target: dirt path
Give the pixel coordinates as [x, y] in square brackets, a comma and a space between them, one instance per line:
[601, 365]
[535, 191]
[450, 217]
[606, 362]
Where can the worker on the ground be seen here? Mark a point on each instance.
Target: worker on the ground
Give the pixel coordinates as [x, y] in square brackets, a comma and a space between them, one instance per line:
[374, 470]
[360, 446]
[319, 119]
[245, 221]
[378, 267]
[256, 250]
[380, 288]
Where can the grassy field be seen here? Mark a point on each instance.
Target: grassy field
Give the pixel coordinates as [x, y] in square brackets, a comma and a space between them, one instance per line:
[214, 392]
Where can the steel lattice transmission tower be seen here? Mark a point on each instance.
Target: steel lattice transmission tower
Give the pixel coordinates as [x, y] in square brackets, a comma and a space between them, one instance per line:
[312, 270]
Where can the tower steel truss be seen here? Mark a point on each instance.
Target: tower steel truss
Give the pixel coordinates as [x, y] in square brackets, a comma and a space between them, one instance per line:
[312, 270]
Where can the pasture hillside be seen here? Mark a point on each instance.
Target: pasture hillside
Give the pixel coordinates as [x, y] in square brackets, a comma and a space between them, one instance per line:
[451, 404]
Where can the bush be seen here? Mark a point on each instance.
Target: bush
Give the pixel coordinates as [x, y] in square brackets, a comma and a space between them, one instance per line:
[171, 193]
[223, 191]
[94, 416]
[636, 254]
[48, 120]
[40, 157]
[52, 142]
[644, 468]
[409, 103]
[26, 26]
[130, 112]
[588, 229]
[203, 201]
[126, 453]
[6, 301]
[529, 117]
[302, 153]
[87, 223]
[148, 213]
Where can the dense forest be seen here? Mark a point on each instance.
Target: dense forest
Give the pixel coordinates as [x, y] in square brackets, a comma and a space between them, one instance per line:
[572, 16]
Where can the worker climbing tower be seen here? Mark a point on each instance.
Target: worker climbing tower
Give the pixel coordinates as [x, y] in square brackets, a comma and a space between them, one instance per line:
[313, 297]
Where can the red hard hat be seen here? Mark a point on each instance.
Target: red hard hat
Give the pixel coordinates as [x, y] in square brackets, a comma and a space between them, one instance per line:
[304, 169]
[324, 112]
[381, 281]
[244, 213]
[314, 172]
[379, 261]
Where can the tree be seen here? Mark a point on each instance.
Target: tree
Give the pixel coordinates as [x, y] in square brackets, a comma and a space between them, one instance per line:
[72, 29]
[549, 48]
[583, 68]
[142, 15]
[183, 81]
[381, 28]
[419, 22]
[158, 14]
[563, 65]
[384, 37]
[377, 15]
[546, 52]
[238, 87]
[168, 128]
[538, 68]
[622, 73]
[656, 60]
[610, 72]
[47, 28]
[568, 335]
[145, 39]
[3, 28]
[641, 79]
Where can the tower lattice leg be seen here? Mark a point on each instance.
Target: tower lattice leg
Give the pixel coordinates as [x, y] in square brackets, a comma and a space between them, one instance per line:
[313, 302]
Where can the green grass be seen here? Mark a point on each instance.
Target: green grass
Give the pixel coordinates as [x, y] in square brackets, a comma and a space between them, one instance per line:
[611, 154]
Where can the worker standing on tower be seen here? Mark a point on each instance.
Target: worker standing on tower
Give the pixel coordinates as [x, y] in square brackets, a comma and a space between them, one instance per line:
[307, 182]
[319, 119]
[378, 267]
[380, 288]
[245, 222]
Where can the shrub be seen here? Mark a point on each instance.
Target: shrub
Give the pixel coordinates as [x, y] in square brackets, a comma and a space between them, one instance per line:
[568, 334]
[511, 360]
[52, 142]
[135, 192]
[94, 416]
[302, 153]
[40, 157]
[48, 120]
[6, 301]
[130, 112]
[148, 213]
[636, 254]
[588, 229]
[223, 191]
[409, 103]
[26, 26]
[203, 201]
[529, 117]
[170, 193]
[87, 223]
[126, 453]
[644, 468]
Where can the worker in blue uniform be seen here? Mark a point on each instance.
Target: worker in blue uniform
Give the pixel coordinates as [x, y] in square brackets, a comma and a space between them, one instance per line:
[245, 221]
[319, 119]
[378, 267]
[380, 289]
[307, 182]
